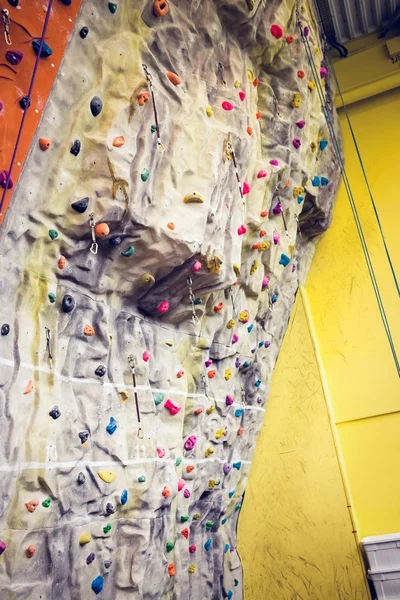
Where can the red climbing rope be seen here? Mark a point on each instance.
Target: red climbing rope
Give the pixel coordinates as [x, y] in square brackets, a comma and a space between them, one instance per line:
[28, 99]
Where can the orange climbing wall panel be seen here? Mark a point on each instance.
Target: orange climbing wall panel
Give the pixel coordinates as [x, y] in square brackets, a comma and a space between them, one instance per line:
[30, 14]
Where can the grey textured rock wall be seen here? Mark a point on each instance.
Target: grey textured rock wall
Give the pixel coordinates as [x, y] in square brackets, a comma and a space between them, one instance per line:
[106, 511]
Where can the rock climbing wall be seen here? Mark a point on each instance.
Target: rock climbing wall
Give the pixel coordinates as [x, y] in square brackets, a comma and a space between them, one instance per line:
[151, 254]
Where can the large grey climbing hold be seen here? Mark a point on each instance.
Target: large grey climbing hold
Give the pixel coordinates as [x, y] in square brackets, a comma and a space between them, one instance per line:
[96, 106]
[55, 412]
[68, 303]
[80, 205]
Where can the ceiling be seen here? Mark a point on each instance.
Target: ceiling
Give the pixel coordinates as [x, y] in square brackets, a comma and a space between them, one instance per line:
[351, 19]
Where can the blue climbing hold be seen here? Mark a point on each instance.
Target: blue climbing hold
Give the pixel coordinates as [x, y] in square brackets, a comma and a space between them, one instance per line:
[300, 199]
[260, 344]
[238, 412]
[226, 548]
[316, 181]
[285, 260]
[124, 497]
[97, 584]
[250, 328]
[197, 301]
[230, 594]
[112, 426]
[246, 364]
[324, 181]
[237, 465]
[207, 545]
[323, 144]
[258, 383]
[232, 493]
[274, 298]
[224, 520]
[46, 50]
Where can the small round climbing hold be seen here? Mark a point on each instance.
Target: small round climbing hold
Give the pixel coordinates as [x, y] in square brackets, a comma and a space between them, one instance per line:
[52, 297]
[143, 98]
[227, 105]
[100, 371]
[180, 374]
[68, 303]
[160, 8]
[55, 413]
[5, 329]
[80, 205]
[118, 141]
[142, 479]
[163, 307]
[53, 234]
[30, 551]
[209, 111]
[112, 7]
[96, 106]
[25, 102]
[98, 584]
[88, 330]
[146, 356]
[258, 115]
[289, 39]
[61, 262]
[249, 130]
[166, 492]
[174, 78]
[301, 74]
[84, 32]
[276, 31]
[14, 57]
[44, 144]
[296, 143]
[242, 229]
[129, 252]
[101, 230]
[218, 307]
[192, 548]
[242, 95]
[196, 266]
[144, 175]
[211, 374]
[171, 226]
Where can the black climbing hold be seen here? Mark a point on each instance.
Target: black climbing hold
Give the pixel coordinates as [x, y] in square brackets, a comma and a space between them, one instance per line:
[100, 371]
[13, 2]
[107, 563]
[46, 50]
[55, 413]
[114, 241]
[66, 2]
[83, 32]
[68, 303]
[80, 205]
[112, 7]
[110, 509]
[24, 102]
[75, 148]
[81, 478]
[5, 329]
[84, 436]
[96, 106]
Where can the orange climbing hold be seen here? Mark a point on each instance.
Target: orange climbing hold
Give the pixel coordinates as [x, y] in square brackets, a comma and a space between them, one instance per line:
[44, 144]
[262, 232]
[61, 262]
[218, 307]
[101, 230]
[143, 98]
[198, 411]
[189, 468]
[118, 141]
[256, 82]
[160, 9]
[171, 226]
[211, 374]
[240, 431]
[32, 505]
[29, 387]
[171, 570]
[166, 493]
[264, 213]
[174, 78]
[258, 115]
[290, 39]
[30, 551]
[88, 330]
[249, 130]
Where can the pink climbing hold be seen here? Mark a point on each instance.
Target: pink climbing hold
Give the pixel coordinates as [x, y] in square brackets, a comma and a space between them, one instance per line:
[3, 547]
[242, 230]
[277, 31]
[196, 267]
[160, 452]
[300, 124]
[242, 95]
[173, 408]
[265, 281]
[245, 188]
[262, 173]
[235, 338]
[181, 484]
[227, 105]
[228, 400]
[186, 493]
[163, 307]
[192, 548]
[323, 72]
[146, 356]
[296, 143]
[276, 237]
[190, 442]
[3, 180]
[208, 363]
[274, 162]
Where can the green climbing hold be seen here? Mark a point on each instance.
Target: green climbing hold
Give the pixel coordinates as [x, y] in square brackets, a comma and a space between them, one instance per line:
[107, 528]
[53, 234]
[184, 519]
[153, 129]
[158, 399]
[51, 297]
[197, 301]
[209, 524]
[112, 7]
[238, 507]
[145, 174]
[46, 503]
[129, 252]
[142, 479]
[235, 582]
[178, 461]
[170, 546]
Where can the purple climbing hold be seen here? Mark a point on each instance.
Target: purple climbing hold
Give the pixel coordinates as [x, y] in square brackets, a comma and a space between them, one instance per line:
[186, 493]
[323, 72]
[190, 442]
[227, 468]
[296, 143]
[267, 344]
[90, 558]
[14, 57]
[274, 163]
[277, 208]
[228, 400]
[306, 31]
[300, 124]
[3, 180]
[237, 362]
[3, 547]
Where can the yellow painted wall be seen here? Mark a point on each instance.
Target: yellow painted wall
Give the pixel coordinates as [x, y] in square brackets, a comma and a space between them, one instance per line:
[295, 531]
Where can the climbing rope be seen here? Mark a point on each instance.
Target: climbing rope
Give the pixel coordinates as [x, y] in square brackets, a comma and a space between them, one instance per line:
[346, 182]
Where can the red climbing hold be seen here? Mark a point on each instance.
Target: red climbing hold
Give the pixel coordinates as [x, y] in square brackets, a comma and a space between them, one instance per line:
[262, 173]
[185, 532]
[242, 95]
[163, 307]
[245, 188]
[227, 105]
[289, 39]
[249, 130]
[301, 74]
[256, 82]
[277, 31]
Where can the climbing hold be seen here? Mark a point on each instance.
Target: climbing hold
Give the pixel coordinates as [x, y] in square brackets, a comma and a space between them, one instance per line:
[301, 124]
[245, 188]
[115, 241]
[236, 269]
[44, 144]
[250, 328]
[180, 374]
[285, 260]
[84, 436]
[84, 32]
[53, 234]
[301, 74]
[198, 411]
[100, 371]
[66, 2]
[46, 503]
[158, 398]
[29, 387]
[193, 197]
[196, 516]
[227, 105]
[190, 442]
[174, 78]
[190, 468]
[90, 558]
[25, 102]
[118, 141]
[228, 400]
[181, 484]
[300, 199]
[316, 181]
[145, 175]
[107, 528]
[107, 476]
[68, 304]
[184, 519]
[3, 547]
[297, 191]
[323, 144]
[211, 374]
[88, 330]
[208, 544]
[163, 307]
[192, 548]
[51, 297]
[30, 551]
[242, 229]
[313, 146]
[324, 181]
[61, 262]
[256, 82]
[80, 205]
[97, 584]
[258, 115]
[226, 547]
[237, 465]
[146, 356]
[220, 433]
[112, 7]
[129, 252]
[75, 149]
[32, 505]
[143, 98]
[160, 8]
[209, 111]
[231, 324]
[14, 57]
[101, 230]
[242, 95]
[171, 570]
[171, 226]
[323, 72]
[3, 180]
[185, 532]
[96, 106]
[169, 546]
[229, 594]
[46, 50]
[277, 208]
[210, 409]
[166, 493]
[276, 238]
[161, 452]
[276, 31]
[173, 408]
[219, 307]
[289, 39]
[240, 431]
[85, 538]
[296, 143]
[311, 86]
[238, 412]
[208, 452]
[209, 525]
[228, 374]
[107, 564]
[192, 569]
[81, 478]
[142, 479]
[249, 130]
[112, 426]
[262, 173]
[296, 102]
[244, 316]
[196, 266]
[55, 412]
[262, 232]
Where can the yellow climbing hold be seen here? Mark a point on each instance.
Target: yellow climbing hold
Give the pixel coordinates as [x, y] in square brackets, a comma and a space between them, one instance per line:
[250, 75]
[313, 146]
[213, 483]
[228, 374]
[209, 111]
[263, 246]
[192, 569]
[208, 452]
[311, 86]
[219, 433]
[169, 343]
[236, 268]
[124, 395]
[231, 324]
[193, 197]
[254, 267]
[107, 476]
[210, 409]
[297, 191]
[237, 83]
[296, 102]
[196, 516]
[147, 278]
[85, 538]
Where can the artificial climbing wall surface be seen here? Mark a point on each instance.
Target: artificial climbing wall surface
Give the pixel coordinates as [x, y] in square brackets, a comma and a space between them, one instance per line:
[149, 291]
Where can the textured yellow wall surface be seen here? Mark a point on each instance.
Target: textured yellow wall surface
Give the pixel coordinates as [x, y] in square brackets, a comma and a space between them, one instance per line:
[295, 531]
